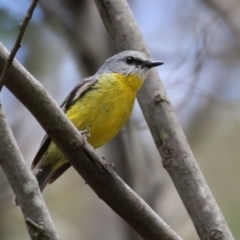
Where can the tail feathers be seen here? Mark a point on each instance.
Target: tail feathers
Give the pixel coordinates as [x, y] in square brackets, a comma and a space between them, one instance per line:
[59, 172]
[43, 174]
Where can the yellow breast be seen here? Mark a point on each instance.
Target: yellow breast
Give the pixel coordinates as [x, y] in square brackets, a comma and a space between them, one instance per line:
[106, 107]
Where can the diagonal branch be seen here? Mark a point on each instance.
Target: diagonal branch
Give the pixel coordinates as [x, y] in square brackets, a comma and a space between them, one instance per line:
[169, 138]
[96, 172]
[20, 178]
[24, 185]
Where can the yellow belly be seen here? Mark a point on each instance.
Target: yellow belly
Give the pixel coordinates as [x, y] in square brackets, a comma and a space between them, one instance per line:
[102, 111]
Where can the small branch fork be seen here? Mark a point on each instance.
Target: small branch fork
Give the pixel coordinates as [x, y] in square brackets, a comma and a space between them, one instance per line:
[37, 230]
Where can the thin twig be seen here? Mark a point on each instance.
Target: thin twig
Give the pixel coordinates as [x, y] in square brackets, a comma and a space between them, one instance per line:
[17, 44]
[34, 225]
[199, 61]
[229, 11]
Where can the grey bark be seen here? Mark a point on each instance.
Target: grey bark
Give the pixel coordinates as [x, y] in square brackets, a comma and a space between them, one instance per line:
[99, 175]
[169, 138]
[24, 185]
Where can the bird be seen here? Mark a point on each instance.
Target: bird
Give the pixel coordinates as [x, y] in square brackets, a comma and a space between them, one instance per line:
[99, 105]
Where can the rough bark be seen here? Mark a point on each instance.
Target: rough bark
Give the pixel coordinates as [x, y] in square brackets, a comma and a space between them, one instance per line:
[169, 138]
[24, 185]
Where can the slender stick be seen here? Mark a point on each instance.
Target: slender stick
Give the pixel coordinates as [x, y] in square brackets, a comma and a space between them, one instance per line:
[229, 11]
[17, 44]
[169, 138]
[96, 172]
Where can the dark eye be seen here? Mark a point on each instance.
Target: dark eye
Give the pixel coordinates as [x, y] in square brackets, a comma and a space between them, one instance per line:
[130, 60]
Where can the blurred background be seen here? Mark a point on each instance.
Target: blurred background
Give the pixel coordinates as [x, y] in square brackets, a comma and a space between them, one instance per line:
[199, 41]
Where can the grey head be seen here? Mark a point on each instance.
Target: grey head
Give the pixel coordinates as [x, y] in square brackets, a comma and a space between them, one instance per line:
[128, 63]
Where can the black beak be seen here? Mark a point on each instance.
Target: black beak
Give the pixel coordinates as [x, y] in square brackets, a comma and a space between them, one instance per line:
[151, 64]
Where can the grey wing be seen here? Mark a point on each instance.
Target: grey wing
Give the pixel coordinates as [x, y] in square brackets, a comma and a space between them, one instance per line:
[41, 151]
[75, 94]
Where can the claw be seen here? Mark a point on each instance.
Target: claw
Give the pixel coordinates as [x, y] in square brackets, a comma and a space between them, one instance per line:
[85, 134]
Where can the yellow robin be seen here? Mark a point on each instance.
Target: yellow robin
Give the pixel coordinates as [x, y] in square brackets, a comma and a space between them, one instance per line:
[100, 105]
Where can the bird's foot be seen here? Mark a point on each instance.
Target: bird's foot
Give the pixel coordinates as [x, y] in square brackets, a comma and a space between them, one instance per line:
[85, 134]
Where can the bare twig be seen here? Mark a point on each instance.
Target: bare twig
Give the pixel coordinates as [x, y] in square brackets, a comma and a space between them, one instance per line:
[35, 226]
[169, 138]
[102, 179]
[17, 44]
[229, 11]
[23, 183]
[199, 61]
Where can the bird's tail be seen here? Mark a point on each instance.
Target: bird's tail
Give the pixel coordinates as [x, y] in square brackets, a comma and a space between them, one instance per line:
[43, 174]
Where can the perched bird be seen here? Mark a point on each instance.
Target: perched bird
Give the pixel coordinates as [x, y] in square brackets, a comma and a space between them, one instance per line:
[100, 104]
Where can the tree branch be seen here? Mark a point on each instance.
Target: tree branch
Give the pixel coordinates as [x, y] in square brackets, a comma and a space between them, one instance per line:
[24, 185]
[169, 138]
[17, 44]
[20, 178]
[95, 171]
